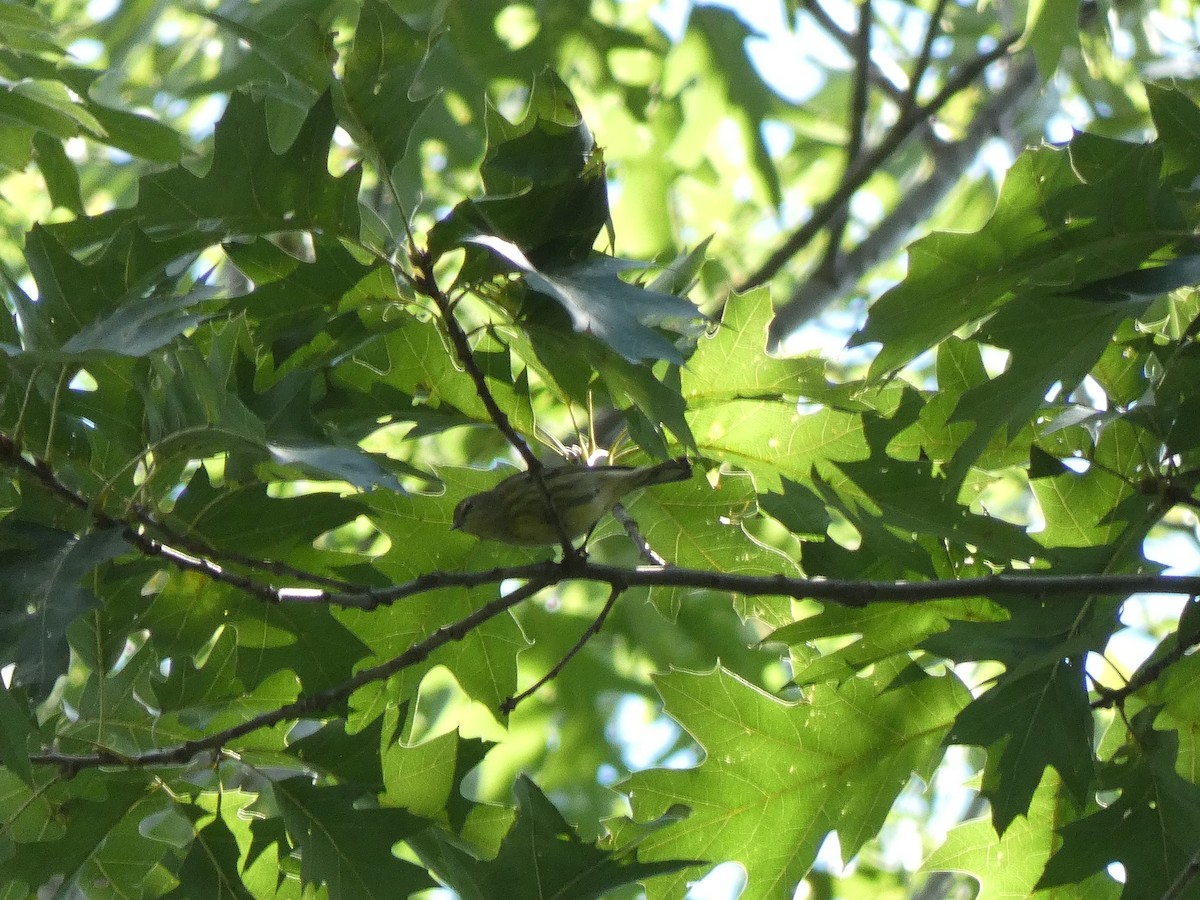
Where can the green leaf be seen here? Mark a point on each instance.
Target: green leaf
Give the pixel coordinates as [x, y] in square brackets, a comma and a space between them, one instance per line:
[305, 643]
[40, 595]
[1149, 282]
[881, 630]
[602, 304]
[427, 779]
[353, 758]
[139, 134]
[1029, 723]
[648, 400]
[25, 28]
[1152, 826]
[195, 692]
[798, 508]
[1060, 220]
[59, 173]
[287, 191]
[1177, 121]
[16, 727]
[545, 188]
[409, 369]
[140, 326]
[775, 768]
[350, 464]
[252, 522]
[296, 47]
[87, 820]
[345, 848]
[1101, 508]
[47, 106]
[380, 83]
[1011, 865]
[211, 867]
[774, 440]
[483, 662]
[910, 500]
[1050, 27]
[1052, 340]
[732, 362]
[542, 856]
[76, 297]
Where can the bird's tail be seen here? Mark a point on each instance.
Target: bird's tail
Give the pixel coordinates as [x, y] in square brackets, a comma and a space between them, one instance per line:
[672, 470]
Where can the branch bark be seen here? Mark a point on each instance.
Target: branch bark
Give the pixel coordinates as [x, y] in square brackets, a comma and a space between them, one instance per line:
[866, 165]
[918, 203]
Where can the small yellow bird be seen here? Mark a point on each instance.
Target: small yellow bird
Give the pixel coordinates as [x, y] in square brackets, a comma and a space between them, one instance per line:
[514, 511]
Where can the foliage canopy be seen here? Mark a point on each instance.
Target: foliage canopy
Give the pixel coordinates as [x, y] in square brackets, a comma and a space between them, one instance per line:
[285, 281]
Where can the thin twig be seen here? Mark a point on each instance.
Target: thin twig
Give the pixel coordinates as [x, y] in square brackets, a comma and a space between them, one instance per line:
[869, 162]
[878, 78]
[1184, 879]
[926, 53]
[187, 551]
[1110, 697]
[42, 472]
[591, 631]
[427, 283]
[842, 591]
[857, 136]
[636, 537]
[949, 160]
[199, 547]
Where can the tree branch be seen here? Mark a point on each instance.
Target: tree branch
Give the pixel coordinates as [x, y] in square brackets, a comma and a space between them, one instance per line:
[426, 282]
[857, 129]
[311, 703]
[878, 78]
[634, 533]
[591, 631]
[1189, 874]
[41, 471]
[866, 165]
[949, 161]
[844, 592]
[923, 57]
[1148, 673]
[543, 575]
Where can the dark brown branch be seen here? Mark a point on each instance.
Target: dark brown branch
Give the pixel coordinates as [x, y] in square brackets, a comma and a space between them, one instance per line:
[426, 282]
[923, 57]
[877, 77]
[857, 132]
[41, 471]
[845, 592]
[869, 162]
[636, 537]
[184, 551]
[1189, 874]
[949, 161]
[1149, 673]
[591, 631]
[306, 705]
[198, 547]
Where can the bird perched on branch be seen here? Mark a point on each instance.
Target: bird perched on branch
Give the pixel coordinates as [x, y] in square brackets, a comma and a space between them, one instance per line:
[515, 512]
